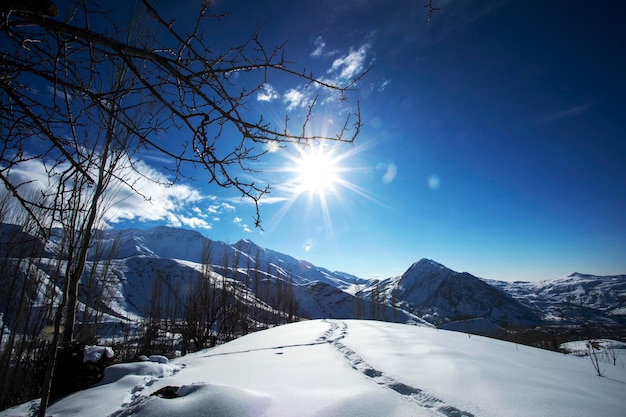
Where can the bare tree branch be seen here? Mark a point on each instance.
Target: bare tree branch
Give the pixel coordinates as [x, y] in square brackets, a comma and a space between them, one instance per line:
[188, 89]
[431, 9]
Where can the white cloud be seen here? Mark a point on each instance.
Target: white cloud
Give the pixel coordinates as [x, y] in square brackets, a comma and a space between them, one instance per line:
[151, 198]
[343, 71]
[350, 66]
[295, 98]
[199, 212]
[390, 173]
[434, 182]
[267, 93]
[320, 49]
[32, 171]
[195, 222]
[173, 220]
[239, 222]
[161, 202]
[216, 209]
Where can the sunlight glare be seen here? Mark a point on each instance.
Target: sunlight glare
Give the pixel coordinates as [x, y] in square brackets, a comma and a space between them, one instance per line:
[319, 174]
[317, 171]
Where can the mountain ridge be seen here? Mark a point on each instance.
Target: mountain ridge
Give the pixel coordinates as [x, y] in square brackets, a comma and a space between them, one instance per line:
[427, 289]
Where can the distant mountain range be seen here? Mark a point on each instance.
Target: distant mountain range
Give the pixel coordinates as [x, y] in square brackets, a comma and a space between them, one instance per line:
[574, 299]
[427, 291]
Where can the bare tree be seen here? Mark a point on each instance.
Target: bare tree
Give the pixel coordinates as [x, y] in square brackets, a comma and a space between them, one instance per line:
[358, 306]
[612, 353]
[97, 291]
[182, 84]
[203, 309]
[77, 203]
[22, 296]
[82, 94]
[593, 347]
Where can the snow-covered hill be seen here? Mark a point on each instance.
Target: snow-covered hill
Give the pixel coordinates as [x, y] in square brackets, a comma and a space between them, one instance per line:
[353, 368]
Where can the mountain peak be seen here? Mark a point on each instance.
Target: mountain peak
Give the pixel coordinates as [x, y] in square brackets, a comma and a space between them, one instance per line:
[245, 243]
[427, 261]
[429, 266]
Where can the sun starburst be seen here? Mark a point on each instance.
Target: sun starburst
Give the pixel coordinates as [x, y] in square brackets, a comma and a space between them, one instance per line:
[317, 171]
[320, 174]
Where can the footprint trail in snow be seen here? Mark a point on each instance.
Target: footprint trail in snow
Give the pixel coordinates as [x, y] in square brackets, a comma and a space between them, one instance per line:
[338, 331]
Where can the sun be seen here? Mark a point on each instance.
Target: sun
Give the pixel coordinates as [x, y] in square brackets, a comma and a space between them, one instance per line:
[317, 171]
[314, 180]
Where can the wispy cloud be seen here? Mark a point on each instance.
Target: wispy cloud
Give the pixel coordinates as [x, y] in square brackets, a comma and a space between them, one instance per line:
[383, 85]
[194, 222]
[272, 200]
[565, 114]
[176, 204]
[320, 49]
[349, 66]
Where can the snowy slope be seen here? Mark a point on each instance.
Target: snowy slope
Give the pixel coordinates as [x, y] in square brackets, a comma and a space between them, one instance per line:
[354, 368]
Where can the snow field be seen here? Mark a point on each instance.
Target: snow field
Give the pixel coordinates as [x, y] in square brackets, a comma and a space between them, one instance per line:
[324, 368]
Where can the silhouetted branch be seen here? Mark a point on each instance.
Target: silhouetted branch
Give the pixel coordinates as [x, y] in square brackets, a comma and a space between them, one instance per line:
[431, 9]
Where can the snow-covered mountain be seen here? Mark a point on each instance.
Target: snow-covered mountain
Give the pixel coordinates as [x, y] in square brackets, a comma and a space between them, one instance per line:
[133, 263]
[441, 295]
[352, 368]
[187, 245]
[574, 299]
[426, 290]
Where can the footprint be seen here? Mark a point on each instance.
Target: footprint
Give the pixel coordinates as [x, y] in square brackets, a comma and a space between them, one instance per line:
[417, 395]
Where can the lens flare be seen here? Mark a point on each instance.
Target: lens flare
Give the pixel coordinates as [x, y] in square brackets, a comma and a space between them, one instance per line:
[434, 182]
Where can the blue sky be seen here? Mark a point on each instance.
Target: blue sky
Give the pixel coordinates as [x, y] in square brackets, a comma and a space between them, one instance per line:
[493, 139]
